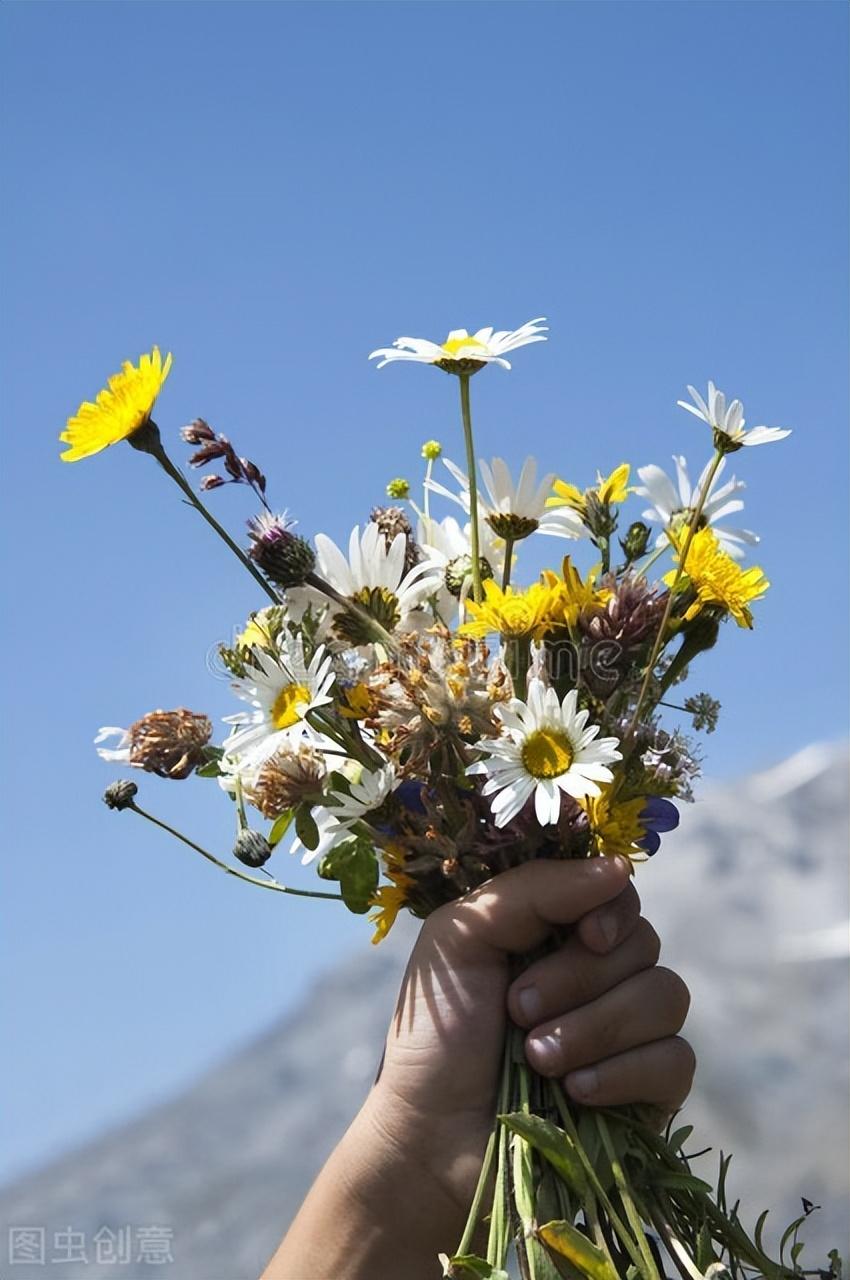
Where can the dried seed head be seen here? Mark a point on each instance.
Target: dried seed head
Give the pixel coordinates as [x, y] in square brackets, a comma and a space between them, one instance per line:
[392, 521]
[197, 432]
[285, 780]
[169, 743]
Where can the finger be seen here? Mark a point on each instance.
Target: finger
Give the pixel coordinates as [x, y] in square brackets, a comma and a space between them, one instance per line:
[515, 911]
[661, 1073]
[606, 927]
[574, 976]
[648, 1006]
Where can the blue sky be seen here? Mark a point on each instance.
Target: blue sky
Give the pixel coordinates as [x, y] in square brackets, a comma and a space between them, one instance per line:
[270, 191]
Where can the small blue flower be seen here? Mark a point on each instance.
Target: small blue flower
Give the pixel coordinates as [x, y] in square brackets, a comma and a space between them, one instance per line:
[657, 817]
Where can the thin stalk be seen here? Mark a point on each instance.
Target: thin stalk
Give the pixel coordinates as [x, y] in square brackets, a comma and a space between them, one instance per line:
[156, 448]
[475, 1208]
[379, 633]
[626, 1197]
[509, 555]
[497, 1242]
[680, 569]
[684, 1265]
[231, 871]
[473, 486]
[616, 1221]
[426, 497]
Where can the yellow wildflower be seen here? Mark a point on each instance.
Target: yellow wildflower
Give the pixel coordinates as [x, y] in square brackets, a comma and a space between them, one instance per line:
[389, 900]
[608, 491]
[513, 615]
[615, 827]
[121, 409]
[358, 702]
[570, 596]
[715, 577]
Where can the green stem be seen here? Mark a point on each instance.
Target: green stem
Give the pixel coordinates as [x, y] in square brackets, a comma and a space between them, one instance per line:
[616, 1221]
[680, 569]
[509, 555]
[380, 634]
[231, 871]
[477, 592]
[497, 1243]
[651, 1271]
[156, 448]
[426, 498]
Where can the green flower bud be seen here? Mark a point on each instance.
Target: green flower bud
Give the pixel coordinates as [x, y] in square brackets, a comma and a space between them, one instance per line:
[119, 795]
[252, 848]
[431, 450]
[635, 542]
[398, 488]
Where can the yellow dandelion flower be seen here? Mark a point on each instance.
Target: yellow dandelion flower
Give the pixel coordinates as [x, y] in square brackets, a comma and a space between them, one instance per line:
[513, 614]
[122, 407]
[715, 577]
[615, 828]
[571, 596]
[608, 491]
[358, 702]
[389, 900]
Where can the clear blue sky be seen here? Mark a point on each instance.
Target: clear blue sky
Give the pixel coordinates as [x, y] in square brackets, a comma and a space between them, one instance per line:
[270, 191]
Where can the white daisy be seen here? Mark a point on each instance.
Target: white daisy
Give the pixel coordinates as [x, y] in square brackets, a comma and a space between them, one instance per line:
[483, 347]
[374, 576]
[449, 545]
[729, 421]
[546, 751]
[513, 510]
[673, 503]
[281, 690]
[335, 822]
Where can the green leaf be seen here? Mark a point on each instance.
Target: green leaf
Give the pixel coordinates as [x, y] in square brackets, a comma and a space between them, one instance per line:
[280, 828]
[757, 1234]
[465, 1265]
[680, 1182]
[565, 1242]
[553, 1144]
[355, 865]
[305, 827]
[678, 1139]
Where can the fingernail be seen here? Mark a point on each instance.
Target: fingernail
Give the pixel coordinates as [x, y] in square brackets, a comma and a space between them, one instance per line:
[609, 927]
[530, 1003]
[584, 1083]
[546, 1049]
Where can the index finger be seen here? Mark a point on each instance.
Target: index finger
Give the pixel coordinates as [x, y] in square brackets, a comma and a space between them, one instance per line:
[515, 911]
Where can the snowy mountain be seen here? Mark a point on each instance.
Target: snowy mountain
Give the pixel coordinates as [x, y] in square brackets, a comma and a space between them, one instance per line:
[750, 897]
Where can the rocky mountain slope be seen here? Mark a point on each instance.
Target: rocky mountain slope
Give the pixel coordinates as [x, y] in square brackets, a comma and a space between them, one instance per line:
[750, 897]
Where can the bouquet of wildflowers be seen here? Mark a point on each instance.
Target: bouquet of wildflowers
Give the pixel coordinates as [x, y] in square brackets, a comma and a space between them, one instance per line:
[417, 720]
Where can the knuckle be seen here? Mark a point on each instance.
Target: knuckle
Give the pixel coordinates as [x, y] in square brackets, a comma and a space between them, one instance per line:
[673, 992]
[650, 943]
[684, 1057]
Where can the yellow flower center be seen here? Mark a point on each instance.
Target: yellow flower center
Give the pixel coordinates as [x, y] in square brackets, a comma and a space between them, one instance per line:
[285, 711]
[453, 345]
[547, 753]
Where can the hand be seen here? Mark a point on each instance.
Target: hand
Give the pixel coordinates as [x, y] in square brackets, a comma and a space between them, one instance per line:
[599, 1013]
[398, 1187]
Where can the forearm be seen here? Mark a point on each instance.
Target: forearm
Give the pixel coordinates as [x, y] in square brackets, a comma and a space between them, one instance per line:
[377, 1209]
